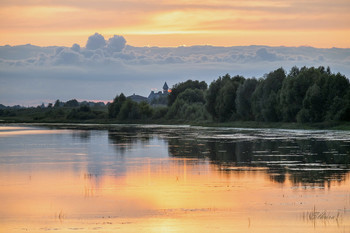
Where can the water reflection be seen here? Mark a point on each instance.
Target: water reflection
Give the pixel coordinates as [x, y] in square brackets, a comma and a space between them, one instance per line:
[160, 178]
[123, 138]
[306, 158]
[83, 135]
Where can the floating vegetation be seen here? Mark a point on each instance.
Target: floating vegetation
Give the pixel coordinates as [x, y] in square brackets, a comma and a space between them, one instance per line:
[322, 216]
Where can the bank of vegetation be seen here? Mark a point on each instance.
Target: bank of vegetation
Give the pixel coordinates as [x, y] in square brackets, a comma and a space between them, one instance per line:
[313, 97]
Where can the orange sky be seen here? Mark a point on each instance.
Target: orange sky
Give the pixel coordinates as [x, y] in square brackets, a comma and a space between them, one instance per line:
[318, 23]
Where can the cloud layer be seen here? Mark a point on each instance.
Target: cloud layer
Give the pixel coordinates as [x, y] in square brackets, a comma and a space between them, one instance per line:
[103, 68]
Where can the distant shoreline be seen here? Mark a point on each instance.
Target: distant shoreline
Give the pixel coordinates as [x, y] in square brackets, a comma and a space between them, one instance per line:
[235, 124]
[306, 98]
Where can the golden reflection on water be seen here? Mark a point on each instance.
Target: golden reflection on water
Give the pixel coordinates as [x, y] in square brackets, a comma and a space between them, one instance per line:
[163, 195]
[177, 196]
[7, 131]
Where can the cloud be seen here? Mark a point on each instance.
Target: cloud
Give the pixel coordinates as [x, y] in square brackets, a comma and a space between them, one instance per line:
[67, 57]
[30, 72]
[75, 48]
[116, 43]
[95, 41]
[265, 55]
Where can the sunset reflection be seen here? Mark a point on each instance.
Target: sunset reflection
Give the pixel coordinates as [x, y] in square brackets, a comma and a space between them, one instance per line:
[158, 193]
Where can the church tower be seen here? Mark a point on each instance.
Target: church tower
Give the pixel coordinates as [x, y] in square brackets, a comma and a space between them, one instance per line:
[165, 88]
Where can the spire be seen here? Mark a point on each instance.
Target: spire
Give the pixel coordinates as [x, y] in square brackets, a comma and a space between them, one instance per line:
[165, 87]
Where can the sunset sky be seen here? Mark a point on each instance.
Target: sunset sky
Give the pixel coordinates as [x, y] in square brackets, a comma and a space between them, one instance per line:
[317, 23]
[101, 48]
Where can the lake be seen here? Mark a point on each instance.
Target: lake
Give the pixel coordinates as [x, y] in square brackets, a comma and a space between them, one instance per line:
[153, 178]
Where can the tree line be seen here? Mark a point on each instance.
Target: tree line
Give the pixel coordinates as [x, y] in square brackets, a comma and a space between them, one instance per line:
[304, 95]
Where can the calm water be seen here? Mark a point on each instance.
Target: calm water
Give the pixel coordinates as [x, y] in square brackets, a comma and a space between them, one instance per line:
[173, 179]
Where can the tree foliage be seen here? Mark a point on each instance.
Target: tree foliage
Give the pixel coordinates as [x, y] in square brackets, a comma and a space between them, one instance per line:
[115, 106]
[125, 109]
[265, 98]
[221, 97]
[244, 99]
[304, 95]
[181, 87]
[72, 103]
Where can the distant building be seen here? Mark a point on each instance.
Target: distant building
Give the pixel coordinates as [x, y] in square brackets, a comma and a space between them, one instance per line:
[165, 88]
[153, 95]
[156, 98]
[138, 98]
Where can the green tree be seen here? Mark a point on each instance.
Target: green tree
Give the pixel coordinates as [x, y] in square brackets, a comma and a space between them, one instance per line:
[225, 102]
[192, 96]
[314, 95]
[334, 90]
[145, 110]
[211, 96]
[160, 112]
[57, 104]
[181, 87]
[84, 112]
[298, 82]
[293, 91]
[115, 106]
[313, 105]
[265, 97]
[345, 112]
[337, 109]
[221, 97]
[72, 103]
[129, 110]
[85, 108]
[244, 99]
[187, 111]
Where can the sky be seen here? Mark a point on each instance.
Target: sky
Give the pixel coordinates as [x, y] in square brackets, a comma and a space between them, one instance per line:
[94, 50]
[317, 23]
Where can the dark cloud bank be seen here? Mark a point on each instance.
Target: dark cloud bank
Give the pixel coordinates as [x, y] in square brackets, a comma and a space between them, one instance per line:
[103, 68]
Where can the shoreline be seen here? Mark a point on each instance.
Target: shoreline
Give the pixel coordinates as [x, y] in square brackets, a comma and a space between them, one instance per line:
[234, 124]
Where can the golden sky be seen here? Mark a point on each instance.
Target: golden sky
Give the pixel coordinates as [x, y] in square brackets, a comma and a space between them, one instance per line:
[318, 23]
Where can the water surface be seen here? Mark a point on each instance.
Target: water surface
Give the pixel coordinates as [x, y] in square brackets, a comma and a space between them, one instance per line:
[140, 178]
